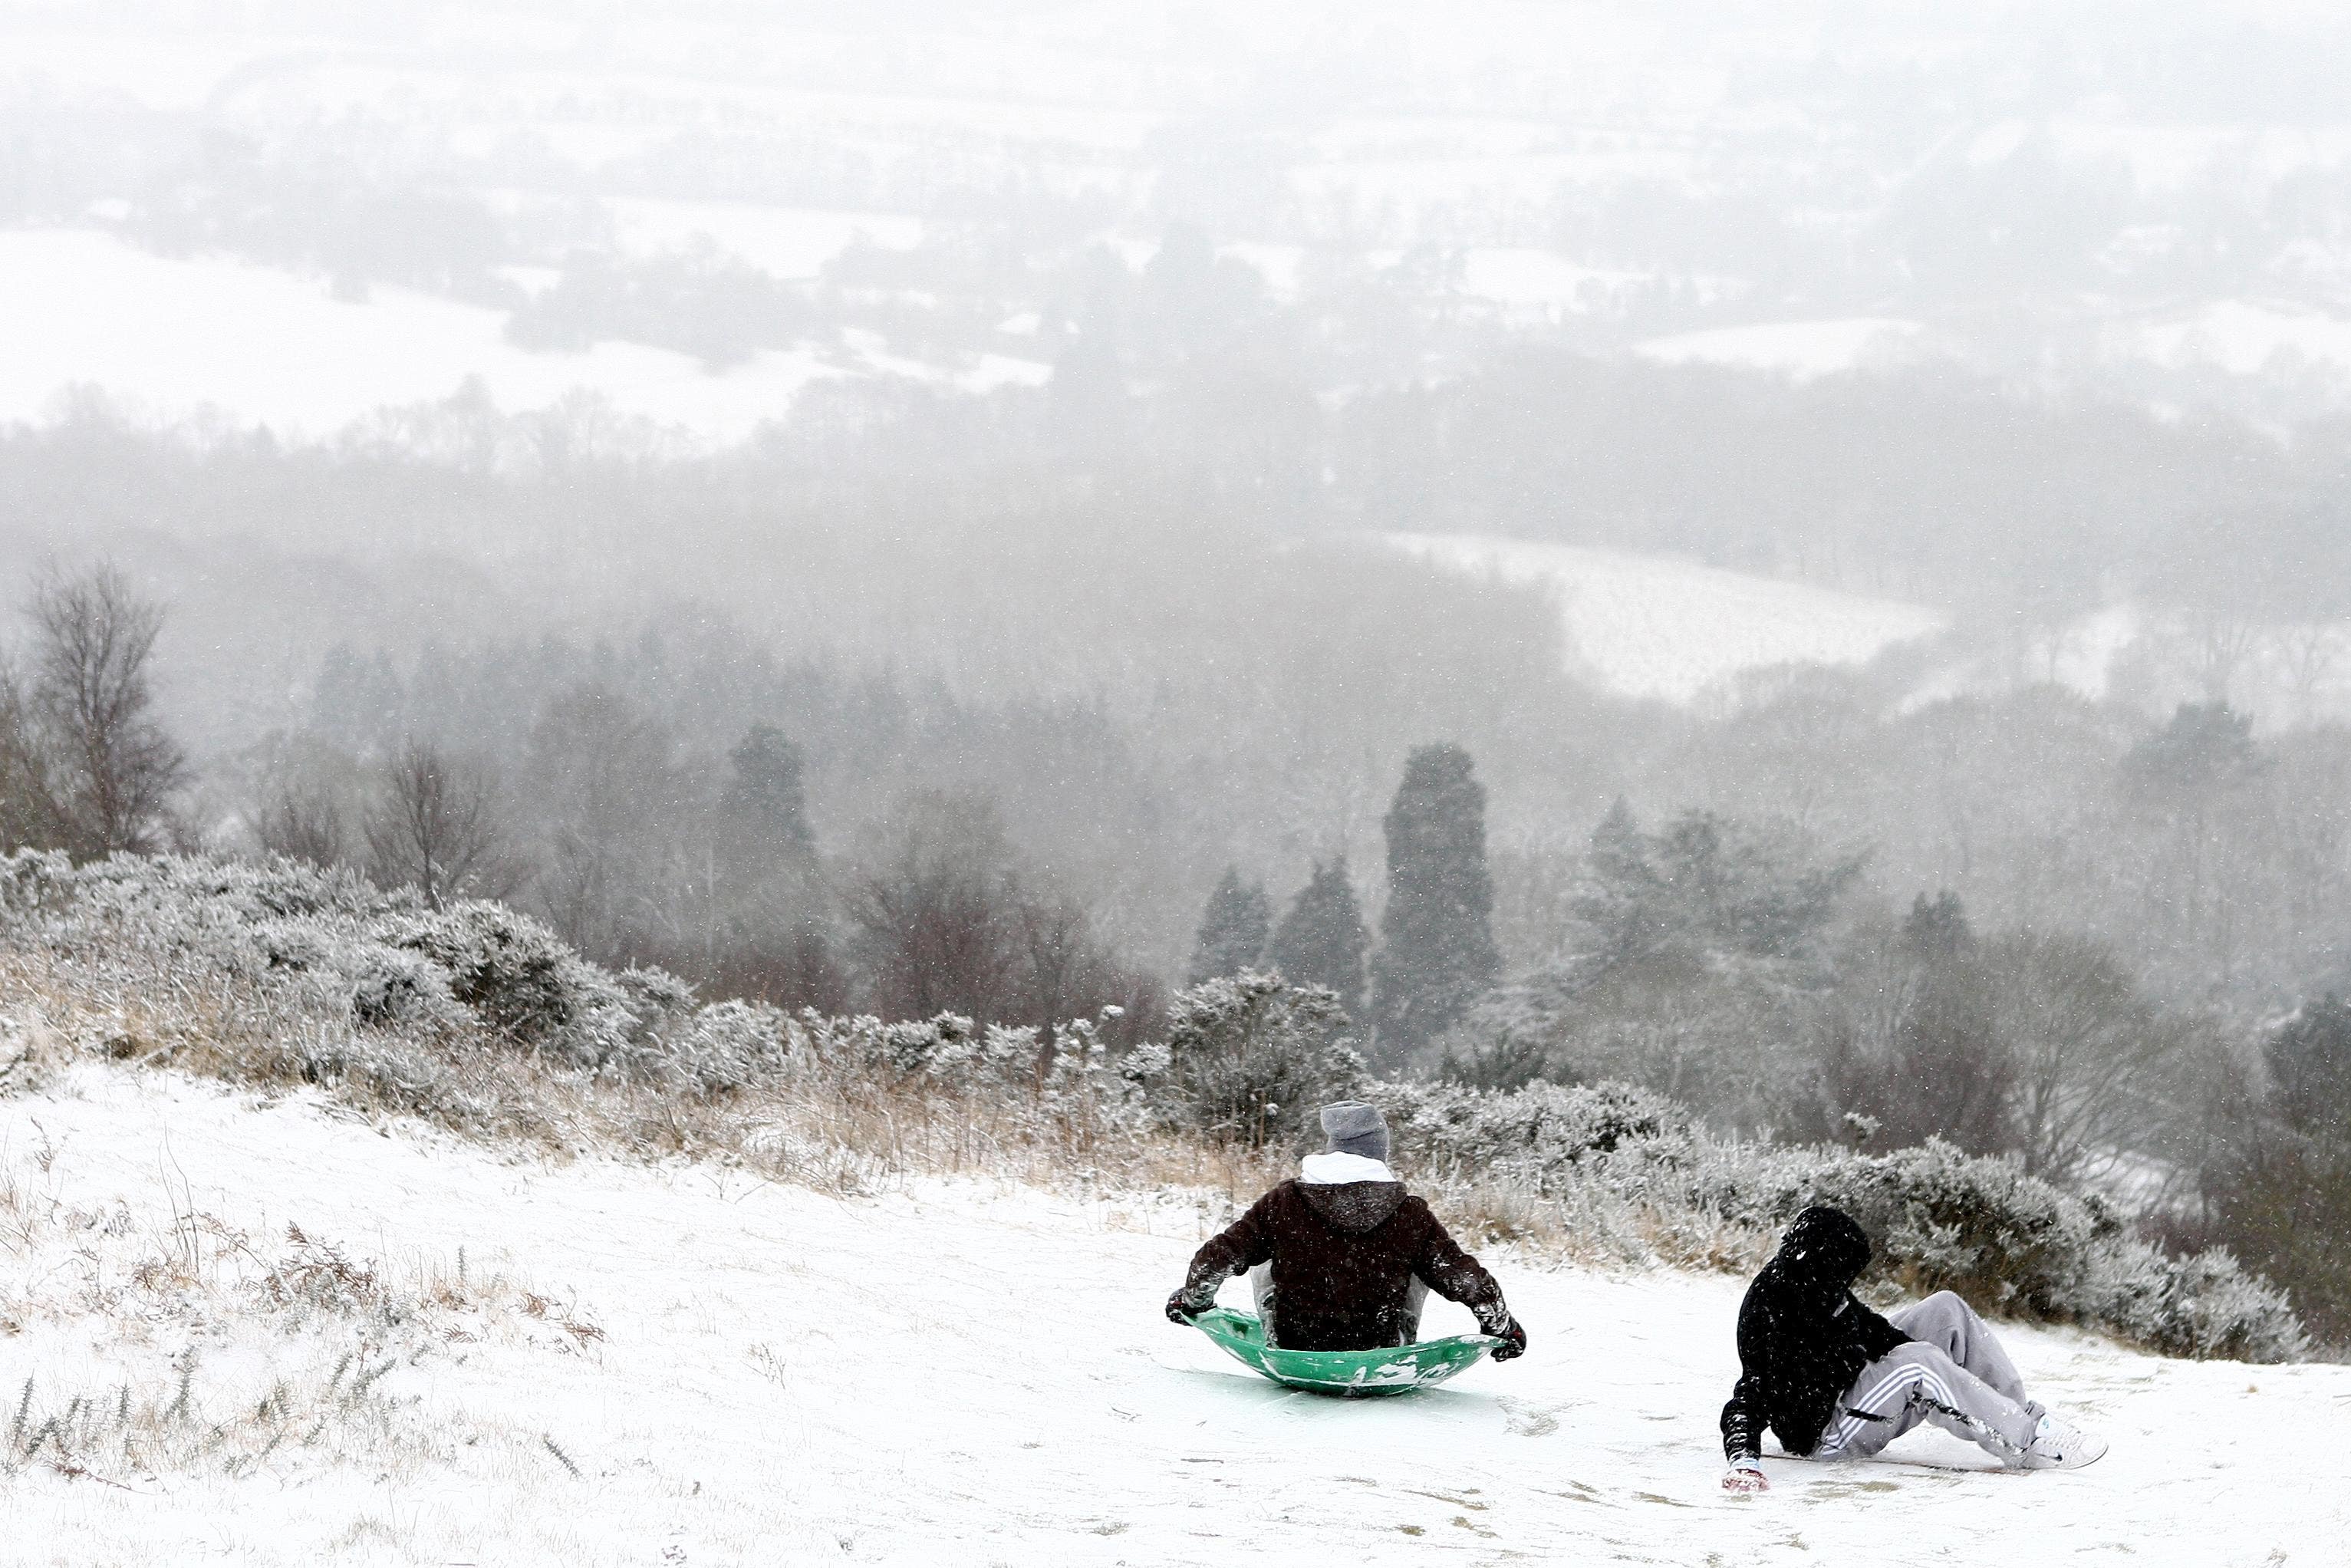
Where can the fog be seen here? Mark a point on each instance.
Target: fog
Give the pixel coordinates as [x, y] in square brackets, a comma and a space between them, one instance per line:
[1863, 453]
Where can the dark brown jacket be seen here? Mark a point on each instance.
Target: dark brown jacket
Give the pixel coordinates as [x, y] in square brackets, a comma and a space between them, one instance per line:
[1344, 1255]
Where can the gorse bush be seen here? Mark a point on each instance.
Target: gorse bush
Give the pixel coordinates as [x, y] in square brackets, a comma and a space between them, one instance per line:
[2010, 1242]
[380, 959]
[1252, 1058]
[1542, 1135]
[373, 995]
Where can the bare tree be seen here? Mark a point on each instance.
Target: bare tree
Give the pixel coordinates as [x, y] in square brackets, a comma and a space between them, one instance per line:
[2308, 652]
[28, 803]
[933, 915]
[303, 824]
[111, 769]
[603, 780]
[2084, 1049]
[434, 827]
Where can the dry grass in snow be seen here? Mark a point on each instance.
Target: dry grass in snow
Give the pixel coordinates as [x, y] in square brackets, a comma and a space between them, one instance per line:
[146, 1339]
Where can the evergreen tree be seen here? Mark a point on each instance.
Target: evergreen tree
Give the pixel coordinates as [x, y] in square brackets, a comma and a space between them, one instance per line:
[1937, 928]
[1703, 888]
[2309, 1060]
[1436, 944]
[1232, 929]
[1953, 1076]
[1622, 897]
[765, 802]
[1322, 939]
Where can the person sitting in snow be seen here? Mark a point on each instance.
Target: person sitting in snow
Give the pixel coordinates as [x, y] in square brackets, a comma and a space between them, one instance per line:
[1833, 1380]
[1342, 1258]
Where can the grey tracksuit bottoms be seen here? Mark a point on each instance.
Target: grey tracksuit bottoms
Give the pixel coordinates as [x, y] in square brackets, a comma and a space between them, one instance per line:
[1956, 1377]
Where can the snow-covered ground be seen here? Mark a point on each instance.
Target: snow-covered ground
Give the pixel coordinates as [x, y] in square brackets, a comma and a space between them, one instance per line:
[1800, 350]
[260, 345]
[2245, 337]
[1657, 626]
[785, 242]
[972, 1373]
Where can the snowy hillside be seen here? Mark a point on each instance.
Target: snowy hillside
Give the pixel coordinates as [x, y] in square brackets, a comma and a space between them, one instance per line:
[1656, 626]
[1557, 170]
[745, 1371]
[1802, 351]
[79, 307]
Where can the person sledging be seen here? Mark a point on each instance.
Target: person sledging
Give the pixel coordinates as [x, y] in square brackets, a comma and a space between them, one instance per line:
[1342, 1257]
[1833, 1380]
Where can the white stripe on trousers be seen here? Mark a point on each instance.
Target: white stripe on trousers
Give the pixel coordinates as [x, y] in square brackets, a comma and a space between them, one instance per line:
[1850, 1425]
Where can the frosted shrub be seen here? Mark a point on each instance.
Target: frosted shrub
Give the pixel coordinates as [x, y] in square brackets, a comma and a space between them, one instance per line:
[658, 1001]
[521, 980]
[392, 989]
[331, 941]
[438, 1013]
[1250, 1058]
[726, 1045]
[2202, 1306]
[1539, 1135]
[2012, 1243]
[340, 966]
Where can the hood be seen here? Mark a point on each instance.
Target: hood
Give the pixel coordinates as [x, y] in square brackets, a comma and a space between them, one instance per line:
[1352, 1206]
[1339, 1166]
[1824, 1246]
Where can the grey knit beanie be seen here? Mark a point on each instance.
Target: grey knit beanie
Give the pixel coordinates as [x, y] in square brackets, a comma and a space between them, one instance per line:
[1356, 1128]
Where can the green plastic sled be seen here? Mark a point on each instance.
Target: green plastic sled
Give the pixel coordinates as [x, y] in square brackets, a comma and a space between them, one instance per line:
[1350, 1373]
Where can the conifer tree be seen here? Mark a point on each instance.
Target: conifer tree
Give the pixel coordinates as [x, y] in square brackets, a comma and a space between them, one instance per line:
[766, 805]
[1232, 929]
[1622, 897]
[1953, 1078]
[1437, 943]
[1322, 939]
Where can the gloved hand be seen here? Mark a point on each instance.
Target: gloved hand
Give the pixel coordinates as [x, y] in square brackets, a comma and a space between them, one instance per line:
[1514, 1341]
[1745, 1478]
[1180, 1310]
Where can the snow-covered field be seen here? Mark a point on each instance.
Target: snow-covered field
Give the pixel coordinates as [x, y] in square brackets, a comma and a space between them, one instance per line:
[260, 345]
[1800, 350]
[784, 241]
[1656, 626]
[2246, 337]
[980, 1375]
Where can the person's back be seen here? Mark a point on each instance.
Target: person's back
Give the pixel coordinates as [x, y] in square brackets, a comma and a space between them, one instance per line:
[1341, 1256]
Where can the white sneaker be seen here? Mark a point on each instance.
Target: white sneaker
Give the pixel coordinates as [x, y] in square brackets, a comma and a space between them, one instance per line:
[2056, 1446]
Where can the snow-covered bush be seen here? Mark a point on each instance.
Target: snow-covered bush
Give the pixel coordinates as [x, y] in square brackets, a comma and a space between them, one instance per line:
[1540, 1135]
[522, 980]
[1941, 1219]
[1250, 1057]
[726, 1045]
[2203, 1306]
[328, 939]
[454, 1015]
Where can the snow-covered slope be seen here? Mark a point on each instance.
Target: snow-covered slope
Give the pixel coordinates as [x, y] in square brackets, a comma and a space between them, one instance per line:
[260, 345]
[1656, 626]
[1802, 351]
[971, 1375]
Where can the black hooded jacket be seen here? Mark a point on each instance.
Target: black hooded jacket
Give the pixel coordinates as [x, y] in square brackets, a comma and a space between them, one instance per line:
[1802, 1336]
[1345, 1256]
